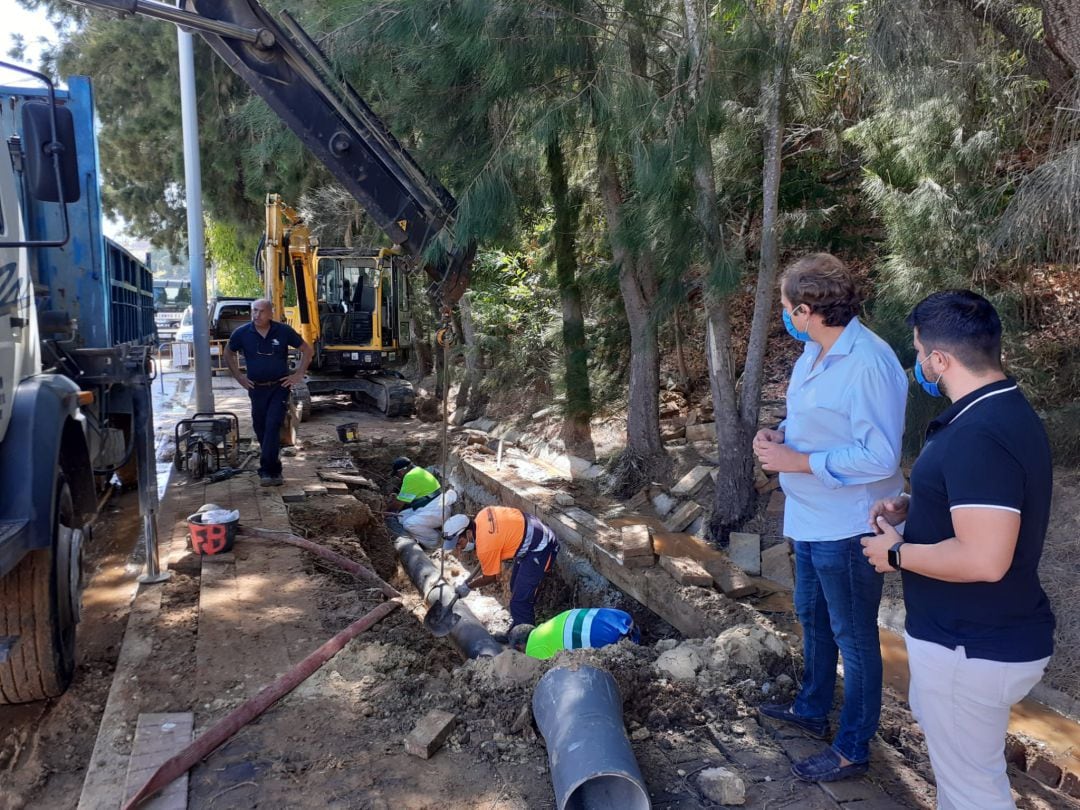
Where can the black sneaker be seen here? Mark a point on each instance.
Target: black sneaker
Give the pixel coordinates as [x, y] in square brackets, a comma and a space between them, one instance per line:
[265, 480]
[275, 481]
[817, 727]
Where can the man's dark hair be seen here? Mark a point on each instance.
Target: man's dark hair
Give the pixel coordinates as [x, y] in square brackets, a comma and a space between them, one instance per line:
[823, 283]
[962, 323]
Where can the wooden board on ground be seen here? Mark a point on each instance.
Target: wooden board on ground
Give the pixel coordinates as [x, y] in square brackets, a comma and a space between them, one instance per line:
[158, 738]
[345, 478]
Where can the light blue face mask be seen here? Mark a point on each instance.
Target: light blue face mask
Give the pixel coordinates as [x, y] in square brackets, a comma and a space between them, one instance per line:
[932, 388]
[792, 330]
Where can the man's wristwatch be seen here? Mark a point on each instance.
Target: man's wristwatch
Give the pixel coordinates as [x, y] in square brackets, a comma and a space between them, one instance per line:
[894, 555]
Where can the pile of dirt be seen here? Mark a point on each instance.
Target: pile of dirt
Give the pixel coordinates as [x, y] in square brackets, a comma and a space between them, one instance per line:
[353, 526]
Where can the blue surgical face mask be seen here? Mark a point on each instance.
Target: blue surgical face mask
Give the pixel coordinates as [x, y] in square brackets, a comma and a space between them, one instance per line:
[932, 388]
[793, 331]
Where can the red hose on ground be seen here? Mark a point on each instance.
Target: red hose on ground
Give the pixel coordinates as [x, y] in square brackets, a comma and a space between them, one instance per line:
[244, 714]
[354, 568]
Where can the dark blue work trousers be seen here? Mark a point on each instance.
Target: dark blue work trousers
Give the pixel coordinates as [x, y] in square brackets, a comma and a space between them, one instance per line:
[525, 578]
[268, 404]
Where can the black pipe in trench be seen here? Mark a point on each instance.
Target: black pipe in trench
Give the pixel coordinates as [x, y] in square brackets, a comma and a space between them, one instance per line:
[469, 635]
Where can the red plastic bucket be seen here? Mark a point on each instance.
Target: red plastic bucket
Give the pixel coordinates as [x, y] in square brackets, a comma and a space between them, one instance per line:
[211, 538]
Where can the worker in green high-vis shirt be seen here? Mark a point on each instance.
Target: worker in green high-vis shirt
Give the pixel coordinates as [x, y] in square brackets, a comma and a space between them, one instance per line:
[573, 630]
[420, 503]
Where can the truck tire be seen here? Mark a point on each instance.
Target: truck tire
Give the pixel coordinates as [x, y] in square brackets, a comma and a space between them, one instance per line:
[39, 603]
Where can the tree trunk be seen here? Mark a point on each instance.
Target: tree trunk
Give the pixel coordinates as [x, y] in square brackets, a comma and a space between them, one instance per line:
[1061, 24]
[734, 491]
[765, 295]
[421, 346]
[465, 405]
[577, 435]
[685, 384]
[644, 458]
[1040, 54]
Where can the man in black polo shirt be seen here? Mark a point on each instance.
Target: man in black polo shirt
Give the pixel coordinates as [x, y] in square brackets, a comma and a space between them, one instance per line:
[979, 628]
[265, 344]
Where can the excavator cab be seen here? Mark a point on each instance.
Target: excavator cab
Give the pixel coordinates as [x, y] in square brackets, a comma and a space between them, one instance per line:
[348, 303]
[362, 306]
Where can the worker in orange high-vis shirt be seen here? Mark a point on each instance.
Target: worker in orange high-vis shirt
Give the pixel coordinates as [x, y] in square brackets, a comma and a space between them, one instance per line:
[500, 534]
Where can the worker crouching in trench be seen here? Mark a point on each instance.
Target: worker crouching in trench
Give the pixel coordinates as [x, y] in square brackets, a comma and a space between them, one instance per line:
[421, 504]
[500, 534]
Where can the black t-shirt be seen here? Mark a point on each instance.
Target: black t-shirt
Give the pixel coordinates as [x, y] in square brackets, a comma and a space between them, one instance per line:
[989, 449]
[267, 358]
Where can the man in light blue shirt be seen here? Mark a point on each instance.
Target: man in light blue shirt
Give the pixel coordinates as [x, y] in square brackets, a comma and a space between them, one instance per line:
[837, 453]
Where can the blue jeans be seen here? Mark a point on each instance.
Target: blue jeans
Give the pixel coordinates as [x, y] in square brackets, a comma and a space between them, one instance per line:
[268, 404]
[837, 593]
[525, 577]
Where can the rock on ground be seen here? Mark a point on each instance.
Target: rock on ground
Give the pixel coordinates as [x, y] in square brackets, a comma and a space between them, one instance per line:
[722, 786]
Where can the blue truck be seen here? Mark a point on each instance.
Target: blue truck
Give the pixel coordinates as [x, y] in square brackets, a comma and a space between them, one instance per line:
[76, 339]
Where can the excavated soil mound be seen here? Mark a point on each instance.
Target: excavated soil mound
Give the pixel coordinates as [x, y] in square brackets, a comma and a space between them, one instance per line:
[353, 526]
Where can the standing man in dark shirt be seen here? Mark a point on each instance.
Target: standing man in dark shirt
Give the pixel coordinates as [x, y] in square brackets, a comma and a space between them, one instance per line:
[265, 344]
[979, 629]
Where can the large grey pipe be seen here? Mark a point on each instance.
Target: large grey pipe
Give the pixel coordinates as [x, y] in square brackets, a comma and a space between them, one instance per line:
[579, 712]
[469, 636]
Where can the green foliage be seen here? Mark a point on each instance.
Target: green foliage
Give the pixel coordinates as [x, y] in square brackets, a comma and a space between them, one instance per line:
[231, 255]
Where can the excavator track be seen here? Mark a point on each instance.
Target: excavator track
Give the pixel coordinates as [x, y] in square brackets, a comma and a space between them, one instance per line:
[393, 396]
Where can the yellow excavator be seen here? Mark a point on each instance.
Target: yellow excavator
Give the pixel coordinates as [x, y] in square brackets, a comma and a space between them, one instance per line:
[350, 304]
[358, 337]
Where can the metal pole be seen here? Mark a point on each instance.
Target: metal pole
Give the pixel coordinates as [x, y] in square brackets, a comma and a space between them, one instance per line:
[146, 468]
[200, 319]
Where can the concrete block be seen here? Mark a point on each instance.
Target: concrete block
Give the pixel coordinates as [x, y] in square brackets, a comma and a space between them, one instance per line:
[638, 500]
[776, 565]
[158, 737]
[483, 425]
[1070, 785]
[852, 790]
[565, 529]
[691, 482]
[1015, 752]
[702, 432]
[732, 581]
[662, 503]
[635, 562]
[564, 499]
[337, 488]
[636, 541]
[776, 503]
[1045, 771]
[293, 496]
[583, 518]
[770, 484]
[312, 490]
[669, 434]
[744, 549]
[430, 733]
[683, 517]
[723, 786]
[687, 571]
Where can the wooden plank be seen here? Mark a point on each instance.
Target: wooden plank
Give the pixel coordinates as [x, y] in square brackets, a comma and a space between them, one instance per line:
[159, 737]
[345, 478]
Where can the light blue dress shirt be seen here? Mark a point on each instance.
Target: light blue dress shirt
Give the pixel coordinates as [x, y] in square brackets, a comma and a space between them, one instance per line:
[847, 412]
